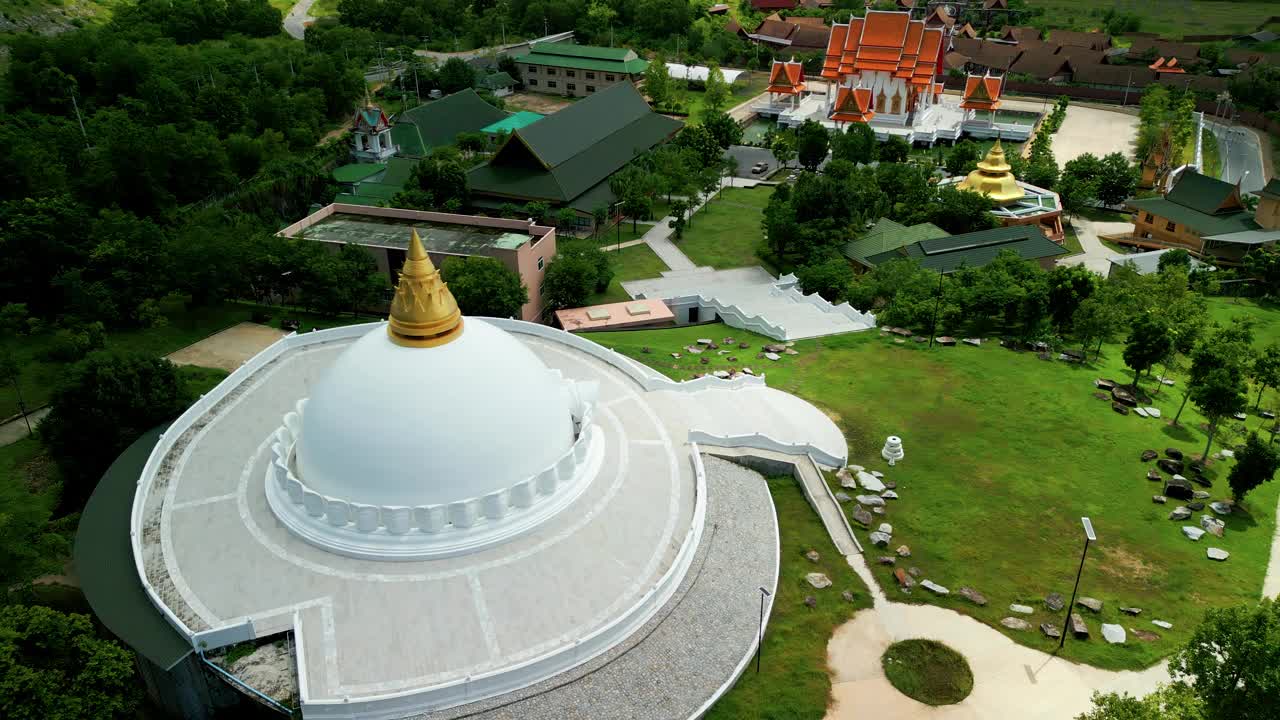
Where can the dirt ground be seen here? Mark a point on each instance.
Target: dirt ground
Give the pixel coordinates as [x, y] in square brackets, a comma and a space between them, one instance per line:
[228, 349]
[1086, 130]
[536, 102]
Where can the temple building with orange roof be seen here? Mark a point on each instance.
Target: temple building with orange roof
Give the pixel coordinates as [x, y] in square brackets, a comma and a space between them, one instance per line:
[982, 92]
[786, 79]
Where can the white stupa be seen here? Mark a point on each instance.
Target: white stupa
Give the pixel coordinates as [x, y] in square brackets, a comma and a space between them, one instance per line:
[441, 510]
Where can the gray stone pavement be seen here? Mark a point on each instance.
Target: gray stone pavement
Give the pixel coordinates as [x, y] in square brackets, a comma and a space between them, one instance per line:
[1096, 256]
[678, 660]
[1241, 155]
[16, 429]
[295, 23]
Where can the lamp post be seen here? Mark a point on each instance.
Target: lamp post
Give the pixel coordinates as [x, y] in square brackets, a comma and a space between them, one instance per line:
[1088, 538]
[760, 635]
[933, 325]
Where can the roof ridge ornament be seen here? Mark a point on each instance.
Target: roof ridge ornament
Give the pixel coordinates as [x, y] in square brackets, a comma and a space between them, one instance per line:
[424, 312]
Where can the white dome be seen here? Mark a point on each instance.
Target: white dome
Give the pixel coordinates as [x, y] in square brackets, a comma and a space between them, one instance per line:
[391, 425]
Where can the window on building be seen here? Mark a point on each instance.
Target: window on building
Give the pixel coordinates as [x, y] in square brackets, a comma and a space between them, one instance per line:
[1151, 218]
[571, 87]
[582, 222]
[551, 71]
[541, 262]
[608, 78]
[591, 76]
[591, 88]
[531, 82]
[533, 69]
[1170, 226]
[551, 83]
[570, 73]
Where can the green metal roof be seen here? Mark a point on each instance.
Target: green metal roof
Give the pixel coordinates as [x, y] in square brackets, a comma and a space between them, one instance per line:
[355, 172]
[439, 122]
[1202, 193]
[512, 122]
[1272, 189]
[975, 249]
[398, 170]
[406, 136]
[349, 199]
[888, 235]
[497, 81]
[585, 57]
[566, 154]
[1203, 223]
[104, 562]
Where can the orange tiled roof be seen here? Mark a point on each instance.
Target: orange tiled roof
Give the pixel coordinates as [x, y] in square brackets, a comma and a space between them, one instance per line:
[853, 105]
[886, 41]
[786, 77]
[981, 92]
[1169, 66]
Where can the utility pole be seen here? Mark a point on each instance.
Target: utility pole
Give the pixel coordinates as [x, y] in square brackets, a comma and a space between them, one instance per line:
[79, 119]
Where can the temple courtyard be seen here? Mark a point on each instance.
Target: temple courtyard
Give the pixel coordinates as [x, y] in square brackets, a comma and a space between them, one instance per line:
[995, 479]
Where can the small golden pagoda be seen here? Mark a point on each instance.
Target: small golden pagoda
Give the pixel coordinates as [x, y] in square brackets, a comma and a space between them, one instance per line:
[994, 178]
[423, 313]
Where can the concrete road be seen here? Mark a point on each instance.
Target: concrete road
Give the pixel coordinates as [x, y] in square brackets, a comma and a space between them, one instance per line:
[1241, 155]
[1096, 256]
[14, 430]
[295, 23]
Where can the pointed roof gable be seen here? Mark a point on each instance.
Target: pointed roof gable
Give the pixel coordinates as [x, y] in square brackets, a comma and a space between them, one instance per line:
[887, 41]
[853, 105]
[786, 77]
[438, 122]
[371, 119]
[982, 92]
[1205, 194]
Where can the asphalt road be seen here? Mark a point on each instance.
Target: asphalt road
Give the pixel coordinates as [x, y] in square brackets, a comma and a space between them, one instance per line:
[295, 23]
[1240, 154]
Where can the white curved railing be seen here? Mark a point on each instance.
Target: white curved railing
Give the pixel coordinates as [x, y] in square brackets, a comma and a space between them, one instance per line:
[497, 682]
[733, 316]
[844, 308]
[760, 441]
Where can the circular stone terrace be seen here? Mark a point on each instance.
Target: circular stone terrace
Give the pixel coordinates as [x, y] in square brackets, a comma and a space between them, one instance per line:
[391, 639]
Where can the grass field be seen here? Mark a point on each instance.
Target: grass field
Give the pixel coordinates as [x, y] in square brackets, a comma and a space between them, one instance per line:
[324, 8]
[1266, 317]
[793, 672]
[47, 15]
[183, 326]
[630, 263]
[691, 99]
[1172, 19]
[1005, 453]
[1071, 242]
[1209, 152]
[726, 233]
[928, 671]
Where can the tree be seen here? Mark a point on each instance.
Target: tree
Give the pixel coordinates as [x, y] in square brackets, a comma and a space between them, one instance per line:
[456, 75]
[574, 275]
[830, 278]
[895, 149]
[962, 157]
[811, 144]
[1076, 192]
[857, 144]
[1257, 87]
[1263, 263]
[657, 81]
[485, 287]
[1117, 179]
[438, 182]
[1233, 661]
[717, 91]
[1069, 287]
[1175, 258]
[1148, 343]
[723, 128]
[55, 666]
[1219, 393]
[731, 167]
[678, 220]
[1171, 701]
[1266, 369]
[1256, 463]
[783, 147]
[960, 211]
[702, 143]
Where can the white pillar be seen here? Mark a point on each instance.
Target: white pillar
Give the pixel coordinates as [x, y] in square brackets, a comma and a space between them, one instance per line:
[377, 147]
[359, 142]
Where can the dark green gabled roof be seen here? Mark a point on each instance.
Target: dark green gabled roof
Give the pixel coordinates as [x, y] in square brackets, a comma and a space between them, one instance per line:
[585, 57]
[888, 235]
[566, 154]
[497, 81]
[1203, 194]
[1272, 189]
[398, 169]
[355, 172]
[438, 123]
[975, 249]
[104, 562]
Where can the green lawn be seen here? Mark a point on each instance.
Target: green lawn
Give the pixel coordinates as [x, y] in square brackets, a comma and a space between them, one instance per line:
[1004, 454]
[323, 8]
[1184, 17]
[726, 233]
[1209, 152]
[793, 671]
[691, 99]
[183, 326]
[1071, 242]
[928, 671]
[282, 5]
[1266, 319]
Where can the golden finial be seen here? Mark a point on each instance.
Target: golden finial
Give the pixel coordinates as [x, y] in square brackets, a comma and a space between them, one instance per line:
[423, 312]
[994, 178]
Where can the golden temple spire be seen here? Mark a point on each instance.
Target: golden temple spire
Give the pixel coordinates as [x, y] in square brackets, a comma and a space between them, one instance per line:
[423, 312]
[994, 178]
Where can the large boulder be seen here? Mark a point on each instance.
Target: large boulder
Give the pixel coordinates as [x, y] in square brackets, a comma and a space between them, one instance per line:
[1014, 623]
[934, 587]
[1212, 525]
[1178, 487]
[1050, 630]
[1054, 602]
[860, 514]
[972, 596]
[1113, 634]
[880, 539]
[904, 580]
[818, 580]
[1120, 408]
[1078, 628]
[1181, 512]
[1124, 397]
[1173, 467]
[1173, 452]
[1092, 604]
[1149, 455]
[1217, 554]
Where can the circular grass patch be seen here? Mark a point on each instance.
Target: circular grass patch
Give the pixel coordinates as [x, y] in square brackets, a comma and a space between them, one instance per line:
[928, 671]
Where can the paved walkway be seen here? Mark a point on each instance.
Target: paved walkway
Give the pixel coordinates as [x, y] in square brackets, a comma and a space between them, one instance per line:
[16, 429]
[1241, 154]
[659, 236]
[295, 23]
[1096, 256]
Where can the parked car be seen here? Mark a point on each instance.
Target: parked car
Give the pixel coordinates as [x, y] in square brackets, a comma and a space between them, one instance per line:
[759, 168]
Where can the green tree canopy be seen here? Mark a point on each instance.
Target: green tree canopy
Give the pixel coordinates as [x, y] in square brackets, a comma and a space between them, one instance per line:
[1148, 343]
[1256, 463]
[484, 286]
[812, 140]
[830, 278]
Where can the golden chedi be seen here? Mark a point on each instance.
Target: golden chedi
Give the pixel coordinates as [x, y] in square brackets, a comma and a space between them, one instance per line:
[994, 178]
[423, 312]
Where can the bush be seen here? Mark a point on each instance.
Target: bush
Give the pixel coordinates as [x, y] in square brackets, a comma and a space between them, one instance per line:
[74, 342]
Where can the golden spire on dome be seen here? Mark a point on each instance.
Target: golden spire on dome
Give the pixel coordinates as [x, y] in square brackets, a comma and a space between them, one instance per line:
[423, 312]
[994, 178]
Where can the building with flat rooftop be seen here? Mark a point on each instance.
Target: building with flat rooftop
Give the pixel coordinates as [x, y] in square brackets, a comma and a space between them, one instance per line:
[523, 247]
[566, 159]
[447, 516]
[1206, 217]
[627, 315]
[561, 68]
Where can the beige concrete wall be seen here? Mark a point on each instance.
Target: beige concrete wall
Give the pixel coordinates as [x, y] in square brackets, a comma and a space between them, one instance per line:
[1181, 236]
[563, 79]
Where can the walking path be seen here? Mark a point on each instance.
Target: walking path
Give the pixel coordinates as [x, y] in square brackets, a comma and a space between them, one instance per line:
[295, 23]
[1096, 256]
[16, 429]
[659, 236]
